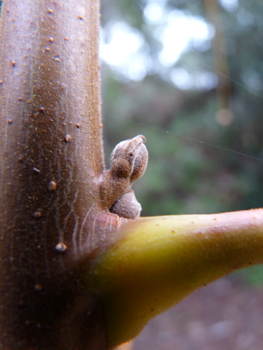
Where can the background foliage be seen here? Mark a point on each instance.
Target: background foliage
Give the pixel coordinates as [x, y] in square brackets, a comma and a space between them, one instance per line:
[201, 113]
[186, 174]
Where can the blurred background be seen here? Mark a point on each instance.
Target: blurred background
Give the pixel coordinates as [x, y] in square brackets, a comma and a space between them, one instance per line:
[188, 74]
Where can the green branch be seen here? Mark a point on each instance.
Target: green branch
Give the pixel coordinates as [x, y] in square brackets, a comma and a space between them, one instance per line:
[156, 262]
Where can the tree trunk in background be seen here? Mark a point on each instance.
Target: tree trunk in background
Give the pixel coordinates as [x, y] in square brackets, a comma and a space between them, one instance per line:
[51, 156]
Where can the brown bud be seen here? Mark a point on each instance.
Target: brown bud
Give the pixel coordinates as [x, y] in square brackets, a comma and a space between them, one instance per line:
[128, 163]
[127, 206]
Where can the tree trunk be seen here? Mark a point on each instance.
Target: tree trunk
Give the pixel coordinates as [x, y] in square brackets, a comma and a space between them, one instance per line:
[51, 156]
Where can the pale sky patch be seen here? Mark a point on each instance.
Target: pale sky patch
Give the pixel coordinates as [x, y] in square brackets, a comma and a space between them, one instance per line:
[180, 31]
[229, 5]
[124, 49]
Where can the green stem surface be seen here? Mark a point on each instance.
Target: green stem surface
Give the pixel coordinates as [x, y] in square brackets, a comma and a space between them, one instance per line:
[158, 261]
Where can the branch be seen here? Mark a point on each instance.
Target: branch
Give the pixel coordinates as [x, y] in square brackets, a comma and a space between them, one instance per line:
[156, 262]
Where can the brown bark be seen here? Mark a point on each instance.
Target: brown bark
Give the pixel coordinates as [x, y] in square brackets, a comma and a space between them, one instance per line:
[50, 158]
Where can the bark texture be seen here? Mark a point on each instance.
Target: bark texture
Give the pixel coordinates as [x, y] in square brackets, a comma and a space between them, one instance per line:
[51, 155]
